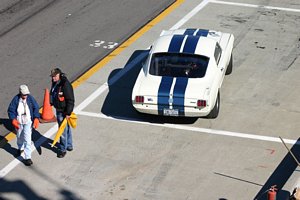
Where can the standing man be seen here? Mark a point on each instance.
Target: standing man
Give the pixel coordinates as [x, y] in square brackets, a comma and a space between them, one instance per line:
[62, 98]
[23, 110]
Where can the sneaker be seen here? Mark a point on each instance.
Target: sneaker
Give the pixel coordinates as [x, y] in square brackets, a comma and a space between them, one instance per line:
[70, 149]
[61, 154]
[28, 162]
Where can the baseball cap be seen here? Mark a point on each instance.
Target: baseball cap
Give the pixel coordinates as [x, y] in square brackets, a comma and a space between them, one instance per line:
[55, 71]
[24, 89]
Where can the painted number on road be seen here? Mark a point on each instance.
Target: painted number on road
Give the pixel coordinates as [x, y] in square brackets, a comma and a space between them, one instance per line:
[103, 44]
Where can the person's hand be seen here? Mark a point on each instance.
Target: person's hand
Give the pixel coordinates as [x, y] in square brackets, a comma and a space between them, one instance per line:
[36, 123]
[67, 116]
[15, 123]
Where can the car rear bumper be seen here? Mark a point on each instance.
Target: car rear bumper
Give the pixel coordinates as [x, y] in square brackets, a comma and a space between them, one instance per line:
[187, 111]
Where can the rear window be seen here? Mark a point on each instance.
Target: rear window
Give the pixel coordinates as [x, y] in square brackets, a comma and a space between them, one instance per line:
[178, 65]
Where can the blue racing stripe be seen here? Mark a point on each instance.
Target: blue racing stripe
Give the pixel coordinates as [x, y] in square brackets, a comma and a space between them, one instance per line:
[190, 44]
[202, 32]
[164, 93]
[190, 31]
[178, 95]
[175, 43]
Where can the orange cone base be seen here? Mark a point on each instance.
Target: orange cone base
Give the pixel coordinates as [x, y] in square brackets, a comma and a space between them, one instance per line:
[47, 120]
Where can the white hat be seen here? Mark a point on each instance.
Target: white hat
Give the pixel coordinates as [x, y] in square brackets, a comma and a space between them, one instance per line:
[24, 89]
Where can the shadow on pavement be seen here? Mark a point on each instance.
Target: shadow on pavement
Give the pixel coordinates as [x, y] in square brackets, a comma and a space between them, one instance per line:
[35, 137]
[5, 129]
[238, 179]
[9, 149]
[118, 104]
[281, 175]
[18, 187]
[7, 124]
[3, 141]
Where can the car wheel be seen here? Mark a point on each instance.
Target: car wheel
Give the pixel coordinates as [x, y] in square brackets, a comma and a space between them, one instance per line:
[215, 111]
[229, 67]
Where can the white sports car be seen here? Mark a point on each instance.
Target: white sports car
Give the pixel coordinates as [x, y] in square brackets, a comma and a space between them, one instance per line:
[183, 73]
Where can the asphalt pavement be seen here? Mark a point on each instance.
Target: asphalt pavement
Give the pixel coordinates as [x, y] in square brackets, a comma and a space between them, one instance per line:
[120, 154]
[39, 35]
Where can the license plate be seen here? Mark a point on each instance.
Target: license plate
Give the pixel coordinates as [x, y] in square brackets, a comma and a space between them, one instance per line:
[171, 112]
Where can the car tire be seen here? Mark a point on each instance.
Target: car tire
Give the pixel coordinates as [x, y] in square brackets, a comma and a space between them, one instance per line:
[229, 67]
[215, 111]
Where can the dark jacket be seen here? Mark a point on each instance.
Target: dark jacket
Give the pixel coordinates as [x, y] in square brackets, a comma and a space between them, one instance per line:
[31, 102]
[62, 95]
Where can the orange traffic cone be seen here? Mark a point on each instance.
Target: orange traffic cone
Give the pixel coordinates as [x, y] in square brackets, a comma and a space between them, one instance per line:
[47, 113]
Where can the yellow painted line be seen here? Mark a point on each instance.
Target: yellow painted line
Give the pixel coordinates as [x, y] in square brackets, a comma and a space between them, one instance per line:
[112, 55]
[127, 43]
[7, 138]
[10, 136]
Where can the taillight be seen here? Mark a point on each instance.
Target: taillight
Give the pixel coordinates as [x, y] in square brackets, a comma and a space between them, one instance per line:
[201, 103]
[139, 99]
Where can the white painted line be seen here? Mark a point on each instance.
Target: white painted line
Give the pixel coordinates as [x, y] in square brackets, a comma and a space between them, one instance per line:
[77, 109]
[91, 98]
[38, 143]
[255, 6]
[104, 87]
[194, 129]
[9, 167]
[54, 128]
[205, 2]
[190, 15]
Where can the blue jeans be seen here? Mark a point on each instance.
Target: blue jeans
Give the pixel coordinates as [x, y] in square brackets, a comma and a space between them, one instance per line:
[66, 138]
